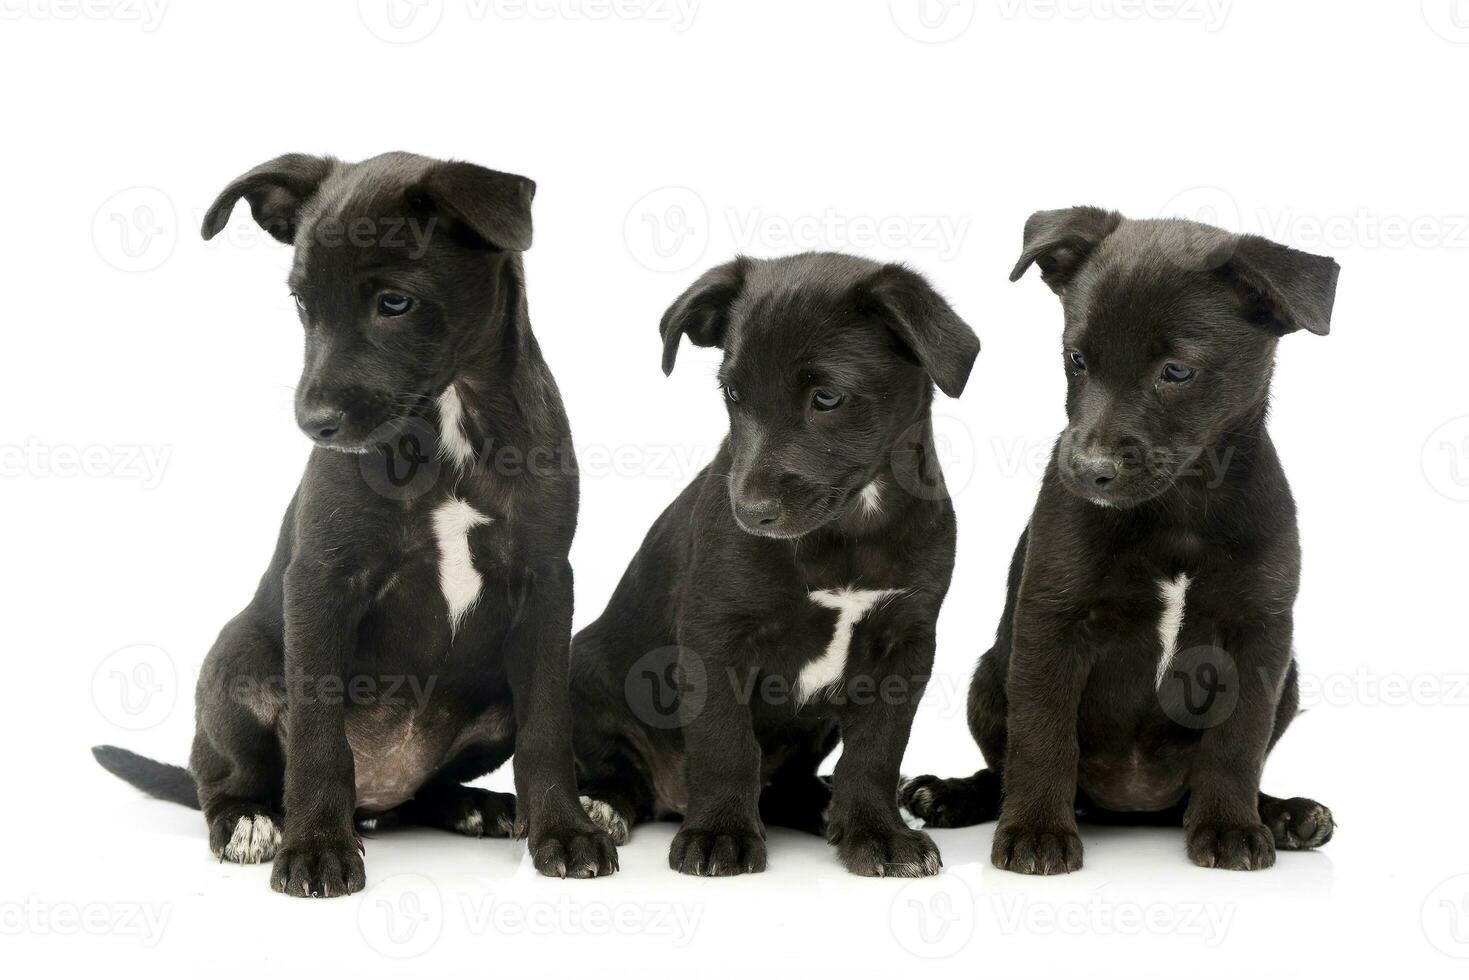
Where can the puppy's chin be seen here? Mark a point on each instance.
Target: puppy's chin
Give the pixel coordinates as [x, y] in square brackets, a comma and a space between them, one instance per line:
[1125, 499]
[814, 516]
[783, 531]
[368, 439]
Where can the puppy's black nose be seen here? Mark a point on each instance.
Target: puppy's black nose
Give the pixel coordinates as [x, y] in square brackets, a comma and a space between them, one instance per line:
[321, 424]
[1096, 469]
[757, 513]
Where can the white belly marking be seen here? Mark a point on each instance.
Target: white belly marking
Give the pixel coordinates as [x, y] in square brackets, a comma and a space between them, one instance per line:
[852, 606]
[458, 579]
[1173, 592]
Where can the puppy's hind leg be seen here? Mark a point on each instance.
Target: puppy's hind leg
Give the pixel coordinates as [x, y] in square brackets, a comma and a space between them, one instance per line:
[616, 791]
[465, 810]
[958, 802]
[611, 812]
[237, 758]
[799, 803]
[796, 797]
[238, 795]
[612, 774]
[966, 800]
[444, 802]
[1298, 824]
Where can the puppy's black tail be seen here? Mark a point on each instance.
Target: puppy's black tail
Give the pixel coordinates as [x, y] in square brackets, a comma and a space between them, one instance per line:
[171, 783]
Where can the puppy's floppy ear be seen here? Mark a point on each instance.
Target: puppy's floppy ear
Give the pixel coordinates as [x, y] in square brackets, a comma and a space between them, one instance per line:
[926, 324]
[1060, 242]
[702, 312]
[1283, 289]
[276, 190]
[493, 206]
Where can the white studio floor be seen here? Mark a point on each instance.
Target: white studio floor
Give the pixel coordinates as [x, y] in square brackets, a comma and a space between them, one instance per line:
[1372, 900]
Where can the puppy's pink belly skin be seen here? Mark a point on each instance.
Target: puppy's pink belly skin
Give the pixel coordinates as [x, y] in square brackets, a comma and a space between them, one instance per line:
[394, 752]
[1132, 784]
[383, 788]
[392, 756]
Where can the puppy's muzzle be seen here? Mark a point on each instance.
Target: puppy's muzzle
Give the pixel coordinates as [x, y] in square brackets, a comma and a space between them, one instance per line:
[757, 514]
[322, 423]
[1097, 471]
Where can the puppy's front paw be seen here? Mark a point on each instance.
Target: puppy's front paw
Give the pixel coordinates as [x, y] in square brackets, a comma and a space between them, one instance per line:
[716, 853]
[1297, 824]
[1036, 852]
[323, 867]
[573, 852]
[1248, 848]
[888, 853]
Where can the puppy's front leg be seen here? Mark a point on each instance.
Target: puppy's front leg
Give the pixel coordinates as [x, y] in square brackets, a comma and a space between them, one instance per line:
[722, 833]
[1036, 833]
[864, 822]
[320, 853]
[563, 841]
[1222, 821]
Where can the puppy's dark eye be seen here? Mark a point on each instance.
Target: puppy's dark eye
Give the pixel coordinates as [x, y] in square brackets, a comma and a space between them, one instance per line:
[394, 304]
[1176, 373]
[731, 394]
[1075, 360]
[300, 303]
[825, 401]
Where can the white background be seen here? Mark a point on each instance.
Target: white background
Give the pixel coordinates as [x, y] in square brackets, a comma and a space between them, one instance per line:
[149, 447]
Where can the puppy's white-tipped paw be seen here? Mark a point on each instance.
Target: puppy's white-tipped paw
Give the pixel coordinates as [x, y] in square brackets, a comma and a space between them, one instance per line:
[607, 819]
[472, 824]
[921, 801]
[254, 840]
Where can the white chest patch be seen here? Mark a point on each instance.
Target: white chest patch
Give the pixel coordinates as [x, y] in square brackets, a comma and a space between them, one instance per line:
[453, 443]
[1173, 592]
[852, 606]
[458, 579]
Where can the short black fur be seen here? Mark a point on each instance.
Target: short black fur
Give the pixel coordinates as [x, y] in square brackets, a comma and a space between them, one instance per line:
[357, 684]
[1143, 668]
[827, 490]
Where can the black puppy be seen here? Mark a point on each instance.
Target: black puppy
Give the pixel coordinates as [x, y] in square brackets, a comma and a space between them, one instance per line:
[1143, 664]
[413, 627]
[788, 597]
